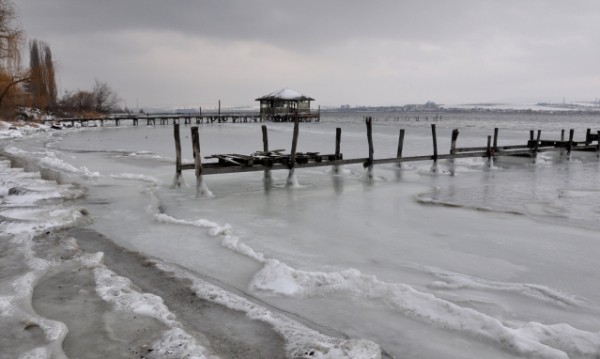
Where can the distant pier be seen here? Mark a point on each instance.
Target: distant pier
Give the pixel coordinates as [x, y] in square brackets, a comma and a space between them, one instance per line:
[187, 119]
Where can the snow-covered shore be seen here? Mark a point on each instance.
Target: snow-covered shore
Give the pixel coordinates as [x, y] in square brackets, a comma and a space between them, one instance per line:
[58, 301]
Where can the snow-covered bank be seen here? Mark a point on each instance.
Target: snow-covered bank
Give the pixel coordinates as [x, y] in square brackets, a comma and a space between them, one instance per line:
[57, 301]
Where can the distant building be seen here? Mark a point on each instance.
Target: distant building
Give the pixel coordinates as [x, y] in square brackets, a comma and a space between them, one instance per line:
[345, 107]
[285, 105]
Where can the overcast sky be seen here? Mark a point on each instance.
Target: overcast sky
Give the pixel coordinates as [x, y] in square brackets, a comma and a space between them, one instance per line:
[193, 53]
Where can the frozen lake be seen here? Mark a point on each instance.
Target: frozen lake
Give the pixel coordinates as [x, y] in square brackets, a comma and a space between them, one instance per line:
[465, 260]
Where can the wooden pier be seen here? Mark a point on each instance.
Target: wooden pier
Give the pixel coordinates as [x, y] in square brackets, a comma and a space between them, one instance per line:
[186, 119]
[268, 160]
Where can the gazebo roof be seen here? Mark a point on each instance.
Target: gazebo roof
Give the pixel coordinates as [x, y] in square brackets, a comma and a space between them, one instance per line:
[285, 94]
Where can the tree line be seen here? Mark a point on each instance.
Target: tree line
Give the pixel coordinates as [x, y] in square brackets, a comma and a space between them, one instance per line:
[35, 85]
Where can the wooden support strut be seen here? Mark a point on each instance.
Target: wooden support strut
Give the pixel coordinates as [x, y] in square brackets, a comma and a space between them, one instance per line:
[453, 141]
[495, 149]
[434, 137]
[400, 146]
[294, 145]
[265, 138]
[197, 158]
[178, 155]
[588, 135]
[570, 143]
[537, 143]
[338, 143]
[369, 123]
[598, 144]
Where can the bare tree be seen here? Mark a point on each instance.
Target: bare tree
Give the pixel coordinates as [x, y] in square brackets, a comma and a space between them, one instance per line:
[101, 99]
[79, 101]
[11, 37]
[105, 98]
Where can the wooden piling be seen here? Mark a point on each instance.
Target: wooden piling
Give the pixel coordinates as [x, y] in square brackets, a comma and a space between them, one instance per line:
[537, 143]
[265, 138]
[453, 141]
[197, 159]
[495, 141]
[598, 144]
[294, 144]
[369, 123]
[562, 135]
[531, 135]
[177, 156]
[434, 137]
[489, 148]
[338, 142]
[400, 146]
[338, 153]
[588, 134]
[570, 143]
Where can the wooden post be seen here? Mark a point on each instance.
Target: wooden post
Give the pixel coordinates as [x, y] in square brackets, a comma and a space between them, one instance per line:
[219, 108]
[178, 156]
[369, 164]
[562, 134]
[434, 137]
[453, 141]
[294, 144]
[338, 143]
[598, 144]
[489, 148]
[495, 141]
[265, 137]
[197, 160]
[400, 146]
[537, 143]
[338, 154]
[531, 135]
[570, 143]
[588, 134]
[291, 180]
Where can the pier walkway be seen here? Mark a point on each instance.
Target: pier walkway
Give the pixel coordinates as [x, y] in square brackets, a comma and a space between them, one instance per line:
[172, 118]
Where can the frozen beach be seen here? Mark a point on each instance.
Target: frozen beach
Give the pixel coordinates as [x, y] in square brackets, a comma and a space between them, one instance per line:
[101, 257]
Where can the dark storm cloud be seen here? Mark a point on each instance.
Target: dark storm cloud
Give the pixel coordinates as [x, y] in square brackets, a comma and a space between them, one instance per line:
[306, 23]
[411, 50]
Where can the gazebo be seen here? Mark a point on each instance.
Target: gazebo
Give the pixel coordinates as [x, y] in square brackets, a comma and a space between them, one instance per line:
[285, 105]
